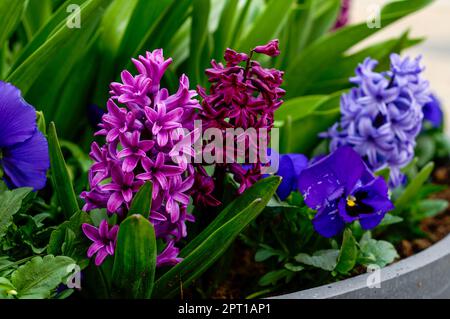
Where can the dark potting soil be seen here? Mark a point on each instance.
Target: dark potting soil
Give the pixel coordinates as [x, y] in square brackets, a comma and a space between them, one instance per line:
[435, 228]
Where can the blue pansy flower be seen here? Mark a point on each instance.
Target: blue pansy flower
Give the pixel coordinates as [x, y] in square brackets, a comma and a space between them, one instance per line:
[432, 112]
[342, 189]
[290, 167]
[24, 157]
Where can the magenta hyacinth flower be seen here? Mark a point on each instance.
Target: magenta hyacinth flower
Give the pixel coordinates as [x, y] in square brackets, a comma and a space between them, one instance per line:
[342, 190]
[104, 240]
[142, 127]
[243, 95]
[24, 157]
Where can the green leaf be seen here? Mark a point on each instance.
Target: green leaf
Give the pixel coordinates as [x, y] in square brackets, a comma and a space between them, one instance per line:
[6, 286]
[324, 52]
[266, 25]
[323, 259]
[272, 277]
[224, 32]
[348, 253]
[299, 107]
[263, 189]
[390, 219]
[76, 247]
[325, 17]
[378, 252]
[10, 203]
[146, 15]
[142, 201]
[39, 277]
[304, 132]
[293, 268]
[199, 33]
[36, 15]
[428, 208]
[409, 194]
[64, 38]
[60, 175]
[207, 247]
[12, 11]
[135, 258]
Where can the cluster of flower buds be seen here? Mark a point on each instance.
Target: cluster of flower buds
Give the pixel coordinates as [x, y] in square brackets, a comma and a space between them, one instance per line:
[243, 96]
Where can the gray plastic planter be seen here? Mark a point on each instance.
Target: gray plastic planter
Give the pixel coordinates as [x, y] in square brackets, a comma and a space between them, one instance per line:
[424, 275]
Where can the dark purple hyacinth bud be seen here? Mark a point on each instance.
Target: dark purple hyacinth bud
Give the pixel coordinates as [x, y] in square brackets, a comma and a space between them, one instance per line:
[270, 49]
[342, 190]
[24, 158]
[344, 15]
[382, 116]
[142, 126]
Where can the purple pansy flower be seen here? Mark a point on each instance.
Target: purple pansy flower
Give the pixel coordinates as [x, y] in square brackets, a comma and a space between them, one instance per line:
[342, 189]
[290, 167]
[104, 240]
[432, 112]
[23, 148]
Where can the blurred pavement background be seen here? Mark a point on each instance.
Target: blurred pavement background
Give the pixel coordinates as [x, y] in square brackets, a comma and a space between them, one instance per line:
[433, 23]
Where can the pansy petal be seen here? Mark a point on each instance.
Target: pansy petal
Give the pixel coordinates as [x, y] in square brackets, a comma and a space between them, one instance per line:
[26, 164]
[18, 117]
[328, 223]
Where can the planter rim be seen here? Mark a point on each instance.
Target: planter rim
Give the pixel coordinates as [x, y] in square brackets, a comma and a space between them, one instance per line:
[421, 270]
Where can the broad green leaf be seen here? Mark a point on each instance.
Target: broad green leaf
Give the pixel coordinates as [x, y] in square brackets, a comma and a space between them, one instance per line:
[166, 27]
[323, 259]
[146, 14]
[142, 201]
[25, 75]
[10, 203]
[263, 189]
[348, 253]
[39, 277]
[76, 247]
[337, 78]
[6, 286]
[60, 175]
[135, 258]
[223, 33]
[204, 256]
[428, 208]
[266, 25]
[390, 219]
[304, 132]
[199, 33]
[299, 107]
[272, 277]
[409, 194]
[378, 252]
[11, 13]
[36, 15]
[57, 22]
[323, 53]
[325, 17]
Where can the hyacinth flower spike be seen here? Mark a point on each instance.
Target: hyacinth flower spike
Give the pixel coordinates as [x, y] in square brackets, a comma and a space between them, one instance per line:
[342, 190]
[104, 240]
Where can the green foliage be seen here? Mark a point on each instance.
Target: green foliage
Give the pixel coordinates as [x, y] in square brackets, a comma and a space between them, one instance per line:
[142, 201]
[60, 175]
[38, 278]
[135, 259]
[10, 203]
[378, 252]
